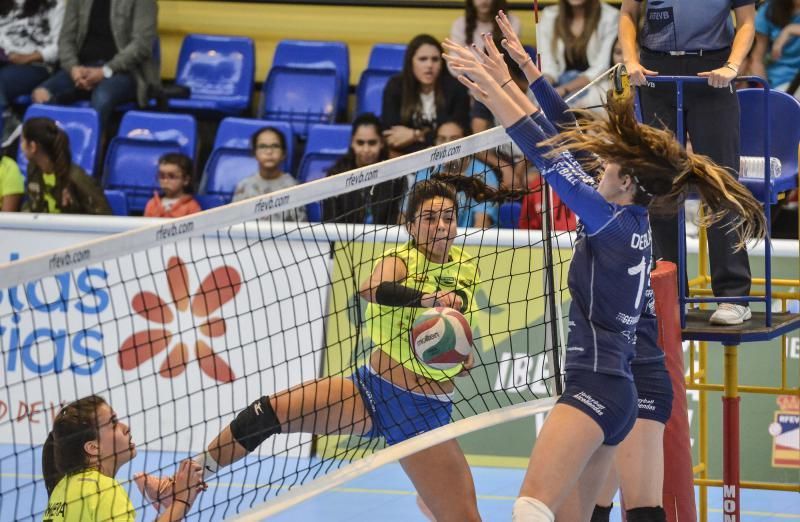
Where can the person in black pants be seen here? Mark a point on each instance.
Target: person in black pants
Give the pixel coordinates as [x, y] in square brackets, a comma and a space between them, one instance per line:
[688, 38]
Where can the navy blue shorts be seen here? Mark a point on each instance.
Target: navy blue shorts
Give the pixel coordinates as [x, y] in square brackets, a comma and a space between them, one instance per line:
[398, 414]
[655, 391]
[608, 399]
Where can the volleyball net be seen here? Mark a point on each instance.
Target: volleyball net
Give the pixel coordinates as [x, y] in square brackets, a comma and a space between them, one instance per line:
[181, 324]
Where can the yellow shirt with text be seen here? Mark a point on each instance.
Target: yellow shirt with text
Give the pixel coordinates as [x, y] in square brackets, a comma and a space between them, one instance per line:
[389, 326]
[89, 496]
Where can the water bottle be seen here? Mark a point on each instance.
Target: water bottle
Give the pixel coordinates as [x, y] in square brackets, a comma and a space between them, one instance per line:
[753, 167]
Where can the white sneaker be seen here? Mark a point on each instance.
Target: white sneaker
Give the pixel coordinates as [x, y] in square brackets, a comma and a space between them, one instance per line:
[729, 314]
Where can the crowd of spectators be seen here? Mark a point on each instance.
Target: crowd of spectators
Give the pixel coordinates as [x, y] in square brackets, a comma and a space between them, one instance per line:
[102, 52]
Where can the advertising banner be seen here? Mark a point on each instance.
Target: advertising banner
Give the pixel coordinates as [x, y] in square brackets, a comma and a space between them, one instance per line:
[176, 338]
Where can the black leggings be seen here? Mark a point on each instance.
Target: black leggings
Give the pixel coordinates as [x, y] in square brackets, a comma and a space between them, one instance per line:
[711, 117]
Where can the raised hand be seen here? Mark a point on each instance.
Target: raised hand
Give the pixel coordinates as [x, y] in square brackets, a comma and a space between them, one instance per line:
[511, 42]
[492, 60]
[470, 71]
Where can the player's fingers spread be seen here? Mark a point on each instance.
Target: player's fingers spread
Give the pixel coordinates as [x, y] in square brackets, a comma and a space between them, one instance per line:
[479, 56]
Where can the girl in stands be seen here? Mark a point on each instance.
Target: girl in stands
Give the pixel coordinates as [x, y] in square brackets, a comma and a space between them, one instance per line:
[82, 455]
[175, 179]
[643, 168]
[576, 38]
[776, 52]
[393, 395]
[422, 96]
[55, 185]
[379, 204]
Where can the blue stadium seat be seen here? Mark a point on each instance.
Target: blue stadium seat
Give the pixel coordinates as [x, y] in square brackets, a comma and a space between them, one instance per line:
[81, 125]
[333, 139]
[208, 201]
[314, 166]
[369, 93]
[118, 202]
[225, 168]
[300, 96]
[131, 166]
[387, 57]
[784, 115]
[235, 133]
[318, 55]
[132, 158]
[156, 126]
[508, 214]
[219, 71]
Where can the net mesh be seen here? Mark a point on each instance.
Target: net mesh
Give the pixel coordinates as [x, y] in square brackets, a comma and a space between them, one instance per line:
[180, 325]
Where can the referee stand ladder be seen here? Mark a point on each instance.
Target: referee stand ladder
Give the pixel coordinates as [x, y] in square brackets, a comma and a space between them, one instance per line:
[764, 325]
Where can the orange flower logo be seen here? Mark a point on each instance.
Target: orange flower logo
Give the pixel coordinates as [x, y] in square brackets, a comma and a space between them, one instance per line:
[218, 287]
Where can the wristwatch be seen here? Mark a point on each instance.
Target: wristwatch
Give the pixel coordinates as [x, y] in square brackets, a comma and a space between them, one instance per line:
[107, 72]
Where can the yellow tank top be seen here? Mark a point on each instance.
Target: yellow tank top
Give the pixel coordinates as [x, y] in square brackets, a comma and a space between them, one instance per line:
[89, 496]
[388, 326]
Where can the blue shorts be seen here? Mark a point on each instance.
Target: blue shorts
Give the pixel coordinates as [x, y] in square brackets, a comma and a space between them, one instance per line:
[654, 389]
[398, 414]
[608, 399]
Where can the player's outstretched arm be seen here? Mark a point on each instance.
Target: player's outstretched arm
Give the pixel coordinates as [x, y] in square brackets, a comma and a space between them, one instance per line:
[384, 287]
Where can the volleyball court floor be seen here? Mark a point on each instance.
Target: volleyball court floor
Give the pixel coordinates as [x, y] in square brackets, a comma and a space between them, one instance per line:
[384, 494]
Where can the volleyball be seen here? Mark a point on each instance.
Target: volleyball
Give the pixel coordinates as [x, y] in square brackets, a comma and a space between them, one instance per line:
[441, 337]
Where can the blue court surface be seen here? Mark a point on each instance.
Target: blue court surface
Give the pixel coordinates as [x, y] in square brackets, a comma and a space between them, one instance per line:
[385, 494]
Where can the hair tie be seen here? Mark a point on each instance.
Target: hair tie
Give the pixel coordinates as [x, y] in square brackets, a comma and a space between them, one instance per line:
[639, 184]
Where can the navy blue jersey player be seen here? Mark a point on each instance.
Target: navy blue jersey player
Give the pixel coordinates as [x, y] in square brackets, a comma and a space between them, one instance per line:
[642, 486]
[608, 274]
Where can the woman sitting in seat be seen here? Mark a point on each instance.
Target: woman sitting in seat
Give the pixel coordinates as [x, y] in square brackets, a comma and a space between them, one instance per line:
[379, 204]
[422, 96]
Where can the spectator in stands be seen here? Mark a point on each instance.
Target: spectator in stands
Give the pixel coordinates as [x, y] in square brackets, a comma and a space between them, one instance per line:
[532, 215]
[379, 204]
[576, 38]
[105, 52]
[479, 19]
[55, 185]
[422, 96]
[12, 185]
[175, 178]
[471, 213]
[29, 32]
[776, 53]
[269, 147]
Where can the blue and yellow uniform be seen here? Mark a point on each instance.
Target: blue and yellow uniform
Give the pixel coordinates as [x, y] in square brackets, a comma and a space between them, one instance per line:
[399, 413]
[88, 496]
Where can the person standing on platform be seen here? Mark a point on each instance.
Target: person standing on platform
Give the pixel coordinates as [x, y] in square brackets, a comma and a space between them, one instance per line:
[690, 38]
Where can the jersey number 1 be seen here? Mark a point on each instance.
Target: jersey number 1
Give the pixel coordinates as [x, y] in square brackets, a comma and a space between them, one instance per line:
[641, 269]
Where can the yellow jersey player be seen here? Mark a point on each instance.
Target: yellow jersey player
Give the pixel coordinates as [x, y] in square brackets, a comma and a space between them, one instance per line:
[82, 455]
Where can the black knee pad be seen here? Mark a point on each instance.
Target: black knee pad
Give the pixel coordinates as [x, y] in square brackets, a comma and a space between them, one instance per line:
[255, 424]
[646, 514]
[601, 513]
